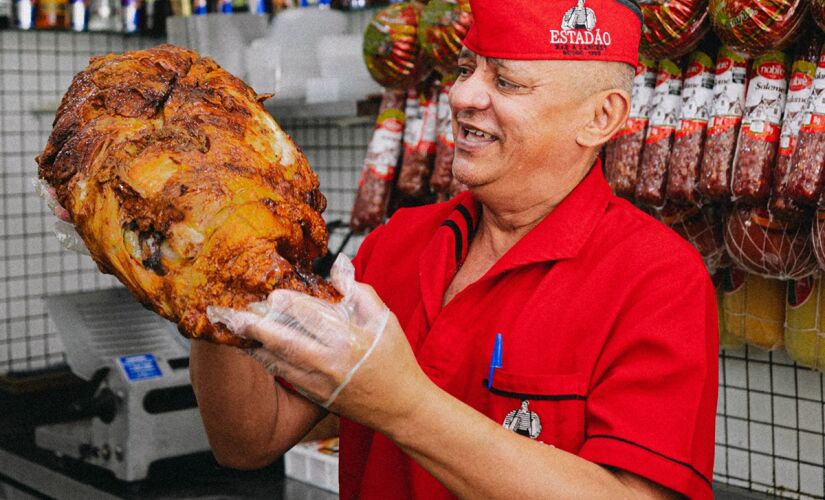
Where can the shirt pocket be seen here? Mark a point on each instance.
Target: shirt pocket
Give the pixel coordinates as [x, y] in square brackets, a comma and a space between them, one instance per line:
[547, 407]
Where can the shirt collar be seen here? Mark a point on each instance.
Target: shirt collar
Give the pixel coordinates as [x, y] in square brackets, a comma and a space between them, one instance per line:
[564, 231]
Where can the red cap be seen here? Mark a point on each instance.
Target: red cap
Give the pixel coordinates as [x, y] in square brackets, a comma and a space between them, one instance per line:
[599, 30]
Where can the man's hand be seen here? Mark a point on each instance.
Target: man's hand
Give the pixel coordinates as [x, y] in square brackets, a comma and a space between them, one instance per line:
[63, 227]
[351, 357]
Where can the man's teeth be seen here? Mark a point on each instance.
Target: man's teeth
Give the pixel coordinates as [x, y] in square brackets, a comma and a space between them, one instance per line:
[478, 133]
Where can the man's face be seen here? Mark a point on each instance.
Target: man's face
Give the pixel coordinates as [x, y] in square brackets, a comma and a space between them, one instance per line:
[515, 124]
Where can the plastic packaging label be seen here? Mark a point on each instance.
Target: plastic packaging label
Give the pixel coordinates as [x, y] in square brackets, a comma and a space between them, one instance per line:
[444, 120]
[816, 104]
[799, 90]
[643, 85]
[666, 102]
[728, 90]
[767, 89]
[697, 92]
[415, 120]
[385, 146]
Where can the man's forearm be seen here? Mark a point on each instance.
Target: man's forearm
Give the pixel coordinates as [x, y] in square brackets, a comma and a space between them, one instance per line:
[249, 419]
[462, 448]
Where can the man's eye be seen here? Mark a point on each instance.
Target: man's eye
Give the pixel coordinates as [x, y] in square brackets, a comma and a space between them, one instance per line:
[506, 85]
[464, 71]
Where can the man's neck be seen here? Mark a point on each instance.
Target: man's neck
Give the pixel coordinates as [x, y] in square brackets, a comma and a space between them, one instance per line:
[500, 228]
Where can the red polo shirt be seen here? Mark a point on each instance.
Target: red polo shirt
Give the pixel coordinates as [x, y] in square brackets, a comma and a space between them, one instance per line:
[609, 330]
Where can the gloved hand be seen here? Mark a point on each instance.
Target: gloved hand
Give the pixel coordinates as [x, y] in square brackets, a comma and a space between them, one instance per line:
[316, 346]
[63, 228]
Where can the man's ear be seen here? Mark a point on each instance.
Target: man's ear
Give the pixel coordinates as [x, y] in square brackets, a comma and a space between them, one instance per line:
[610, 109]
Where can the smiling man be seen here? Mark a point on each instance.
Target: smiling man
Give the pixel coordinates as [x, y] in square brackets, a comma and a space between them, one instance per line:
[535, 337]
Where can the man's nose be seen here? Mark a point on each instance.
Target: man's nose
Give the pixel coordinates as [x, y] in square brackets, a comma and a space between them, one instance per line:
[470, 93]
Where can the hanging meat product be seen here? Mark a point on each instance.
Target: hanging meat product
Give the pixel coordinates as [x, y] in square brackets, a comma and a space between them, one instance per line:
[800, 86]
[761, 125]
[686, 157]
[805, 177]
[765, 245]
[672, 28]
[728, 106]
[664, 115]
[378, 172]
[391, 50]
[624, 150]
[757, 26]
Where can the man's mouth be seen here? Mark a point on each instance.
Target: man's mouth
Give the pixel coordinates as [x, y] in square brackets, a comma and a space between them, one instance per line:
[473, 134]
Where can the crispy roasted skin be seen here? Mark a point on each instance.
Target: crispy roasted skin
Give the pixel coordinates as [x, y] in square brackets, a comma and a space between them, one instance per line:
[184, 187]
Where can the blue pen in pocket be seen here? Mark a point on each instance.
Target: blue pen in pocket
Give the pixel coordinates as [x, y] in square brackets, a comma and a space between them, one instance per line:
[495, 360]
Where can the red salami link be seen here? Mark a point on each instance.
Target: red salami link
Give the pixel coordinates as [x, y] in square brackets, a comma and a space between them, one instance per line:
[686, 157]
[650, 184]
[419, 146]
[444, 141]
[726, 115]
[624, 151]
[383, 153]
[800, 86]
[759, 137]
[805, 178]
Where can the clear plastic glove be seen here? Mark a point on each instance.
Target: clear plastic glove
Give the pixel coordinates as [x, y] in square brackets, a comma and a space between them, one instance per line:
[63, 228]
[316, 346]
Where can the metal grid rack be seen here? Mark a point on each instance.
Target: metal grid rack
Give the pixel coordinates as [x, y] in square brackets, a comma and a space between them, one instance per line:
[37, 67]
[336, 151]
[771, 413]
[769, 424]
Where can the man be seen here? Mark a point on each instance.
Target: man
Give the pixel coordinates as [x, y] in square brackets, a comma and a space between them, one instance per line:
[603, 383]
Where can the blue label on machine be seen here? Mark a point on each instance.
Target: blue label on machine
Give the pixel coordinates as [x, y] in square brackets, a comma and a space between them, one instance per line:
[140, 367]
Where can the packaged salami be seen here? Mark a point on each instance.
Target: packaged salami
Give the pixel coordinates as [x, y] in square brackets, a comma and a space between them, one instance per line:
[383, 154]
[728, 106]
[761, 125]
[804, 335]
[664, 114]
[444, 140]
[754, 309]
[800, 85]
[757, 26]
[805, 177]
[686, 157]
[443, 25]
[419, 145]
[765, 245]
[623, 152]
[391, 50]
[701, 227]
[672, 28]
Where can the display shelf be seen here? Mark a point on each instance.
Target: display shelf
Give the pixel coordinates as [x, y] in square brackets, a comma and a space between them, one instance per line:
[96, 32]
[350, 111]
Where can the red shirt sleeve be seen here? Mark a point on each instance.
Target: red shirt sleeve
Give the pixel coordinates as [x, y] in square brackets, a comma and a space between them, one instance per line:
[652, 405]
[362, 258]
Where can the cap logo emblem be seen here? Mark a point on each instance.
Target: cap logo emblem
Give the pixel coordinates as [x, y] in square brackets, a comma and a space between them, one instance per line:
[579, 18]
[578, 35]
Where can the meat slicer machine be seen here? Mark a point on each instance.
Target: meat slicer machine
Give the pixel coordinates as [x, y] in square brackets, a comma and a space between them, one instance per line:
[140, 406]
